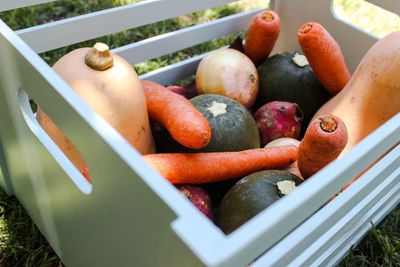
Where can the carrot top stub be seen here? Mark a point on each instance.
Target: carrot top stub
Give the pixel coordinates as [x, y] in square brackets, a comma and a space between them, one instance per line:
[327, 123]
[324, 140]
[306, 28]
[267, 16]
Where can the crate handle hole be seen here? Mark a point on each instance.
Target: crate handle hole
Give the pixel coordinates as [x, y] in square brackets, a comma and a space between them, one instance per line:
[38, 122]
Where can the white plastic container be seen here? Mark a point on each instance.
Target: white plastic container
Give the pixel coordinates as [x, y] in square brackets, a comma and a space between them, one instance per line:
[131, 216]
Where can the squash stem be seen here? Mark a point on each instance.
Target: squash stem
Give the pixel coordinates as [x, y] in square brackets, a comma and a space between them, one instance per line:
[99, 57]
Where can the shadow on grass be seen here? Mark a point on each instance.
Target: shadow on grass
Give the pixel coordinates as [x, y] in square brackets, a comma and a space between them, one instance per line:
[21, 243]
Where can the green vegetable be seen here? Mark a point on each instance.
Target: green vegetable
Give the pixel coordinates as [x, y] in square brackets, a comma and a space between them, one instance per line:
[288, 77]
[232, 126]
[251, 195]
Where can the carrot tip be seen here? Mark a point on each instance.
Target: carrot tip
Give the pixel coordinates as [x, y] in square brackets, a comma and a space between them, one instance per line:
[306, 28]
[327, 123]
[267, 16]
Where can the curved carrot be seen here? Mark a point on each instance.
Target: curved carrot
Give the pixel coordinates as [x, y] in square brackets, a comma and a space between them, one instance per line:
[177, 114]
[197, 168]
[324, 55]
[324, 140]
[262, 34]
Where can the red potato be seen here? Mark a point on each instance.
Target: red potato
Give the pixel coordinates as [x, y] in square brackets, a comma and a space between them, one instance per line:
[237, 44]
[199, 198]
[278, 119]
[187, 91]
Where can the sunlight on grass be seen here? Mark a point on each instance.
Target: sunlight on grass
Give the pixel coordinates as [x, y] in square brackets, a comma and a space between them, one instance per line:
[4, 236]
[252, 4]
[367, 16]
[363, 14]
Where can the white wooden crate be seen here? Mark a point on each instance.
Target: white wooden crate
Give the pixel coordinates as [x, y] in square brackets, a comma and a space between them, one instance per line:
[130, 216]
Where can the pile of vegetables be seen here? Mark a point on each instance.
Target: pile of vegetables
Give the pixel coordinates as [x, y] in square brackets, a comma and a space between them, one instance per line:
[252, 126]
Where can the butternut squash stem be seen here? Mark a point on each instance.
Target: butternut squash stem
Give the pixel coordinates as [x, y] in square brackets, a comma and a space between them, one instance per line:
[327, 124]
[99, 57]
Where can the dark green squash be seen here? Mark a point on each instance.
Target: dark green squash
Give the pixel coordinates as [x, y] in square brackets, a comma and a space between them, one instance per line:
[232, 126]
[288, 77]
[251, 195]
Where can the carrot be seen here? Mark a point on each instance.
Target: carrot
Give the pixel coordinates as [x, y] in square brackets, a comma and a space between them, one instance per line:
[85, 172]
[262, 34]
[177, 114]
[324, 140]
[324, 56]
[197, 168]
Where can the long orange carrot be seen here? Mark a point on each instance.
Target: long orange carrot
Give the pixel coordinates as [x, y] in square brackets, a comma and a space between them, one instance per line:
[262, 34]
[324, 140]
[197, 168]
[324, 56]
[177, 114]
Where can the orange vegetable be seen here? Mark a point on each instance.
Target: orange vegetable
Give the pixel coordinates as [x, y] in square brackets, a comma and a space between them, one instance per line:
[197, 168]
[324, 55]
[177, 114]
[262, 34]
[372, 96]
[111, 87]
[85, 172]
[324, 140]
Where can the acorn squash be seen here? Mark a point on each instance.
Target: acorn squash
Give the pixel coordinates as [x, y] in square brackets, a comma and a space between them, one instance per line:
[252, 194]
[288, 77]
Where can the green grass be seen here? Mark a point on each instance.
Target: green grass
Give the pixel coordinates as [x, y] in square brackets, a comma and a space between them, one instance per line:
[381, 247]
[367, 16]
[21, 244]
[27, 17]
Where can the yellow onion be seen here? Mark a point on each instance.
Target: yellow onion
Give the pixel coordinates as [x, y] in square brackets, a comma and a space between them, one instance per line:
[230, 73]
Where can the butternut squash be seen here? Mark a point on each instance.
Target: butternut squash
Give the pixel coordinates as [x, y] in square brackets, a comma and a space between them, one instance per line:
[372, 95]
[112, 88]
